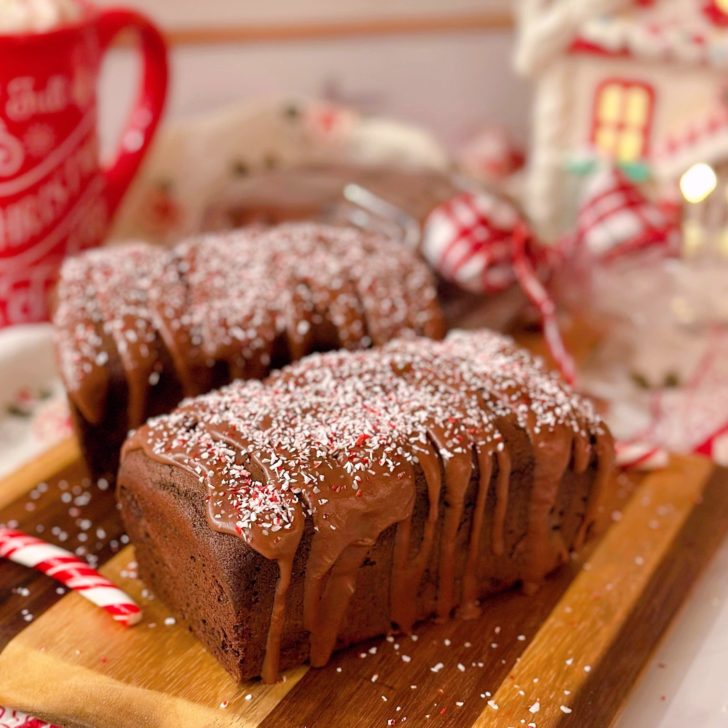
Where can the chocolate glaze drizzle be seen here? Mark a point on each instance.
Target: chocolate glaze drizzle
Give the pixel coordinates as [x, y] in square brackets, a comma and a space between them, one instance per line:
[339, 439]
[231, 301]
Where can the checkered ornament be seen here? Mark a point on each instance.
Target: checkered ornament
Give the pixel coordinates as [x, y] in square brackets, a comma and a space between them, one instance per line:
[469, 240]
[615, 219]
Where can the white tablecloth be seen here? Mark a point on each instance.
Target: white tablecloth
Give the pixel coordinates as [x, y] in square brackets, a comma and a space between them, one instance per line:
[33, 413]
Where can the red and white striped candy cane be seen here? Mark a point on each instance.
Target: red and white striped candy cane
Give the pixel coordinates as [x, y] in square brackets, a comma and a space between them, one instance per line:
[73, 573]
[640, 455]
[17, 719]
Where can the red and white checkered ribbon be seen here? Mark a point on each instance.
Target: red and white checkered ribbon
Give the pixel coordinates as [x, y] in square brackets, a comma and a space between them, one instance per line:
[73, 573]
[544, 304]
[481, 243]
[616, 219]
[17, 719]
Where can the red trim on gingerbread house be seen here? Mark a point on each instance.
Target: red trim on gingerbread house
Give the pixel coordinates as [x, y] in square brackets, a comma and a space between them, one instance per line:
[702, 140]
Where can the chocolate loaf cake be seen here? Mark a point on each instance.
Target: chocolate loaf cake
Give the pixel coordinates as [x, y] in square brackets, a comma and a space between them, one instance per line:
[139, 327]
[352, 493]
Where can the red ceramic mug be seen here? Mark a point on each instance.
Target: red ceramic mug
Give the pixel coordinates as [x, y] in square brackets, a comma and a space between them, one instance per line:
[55, 196]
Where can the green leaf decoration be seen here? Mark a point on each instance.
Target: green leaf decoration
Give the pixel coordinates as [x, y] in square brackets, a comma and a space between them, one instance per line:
[581, 166]
[638, 172]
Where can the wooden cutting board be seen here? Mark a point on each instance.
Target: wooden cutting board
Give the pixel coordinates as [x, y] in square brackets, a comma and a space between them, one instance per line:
[567, 656]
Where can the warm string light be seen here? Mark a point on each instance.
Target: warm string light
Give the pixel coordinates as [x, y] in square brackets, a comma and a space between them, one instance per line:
[698, 182]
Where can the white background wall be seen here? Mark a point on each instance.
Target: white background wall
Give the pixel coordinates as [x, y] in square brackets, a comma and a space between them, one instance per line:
[453, 82]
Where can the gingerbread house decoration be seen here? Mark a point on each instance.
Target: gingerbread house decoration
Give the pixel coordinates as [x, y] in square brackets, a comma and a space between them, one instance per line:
[639, 84]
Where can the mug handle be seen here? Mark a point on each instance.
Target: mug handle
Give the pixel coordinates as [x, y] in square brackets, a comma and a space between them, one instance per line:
[147, 110]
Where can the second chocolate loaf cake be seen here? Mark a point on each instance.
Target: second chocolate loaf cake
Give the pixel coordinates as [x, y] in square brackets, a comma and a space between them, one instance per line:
[139, 327]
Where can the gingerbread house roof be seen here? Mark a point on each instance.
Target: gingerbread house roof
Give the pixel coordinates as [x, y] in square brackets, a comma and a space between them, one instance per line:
[686, 31]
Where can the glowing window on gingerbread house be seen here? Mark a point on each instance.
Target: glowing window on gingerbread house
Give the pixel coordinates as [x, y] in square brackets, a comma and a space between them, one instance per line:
[622, 118]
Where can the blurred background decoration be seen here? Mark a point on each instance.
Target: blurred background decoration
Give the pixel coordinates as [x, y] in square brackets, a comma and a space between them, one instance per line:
[444, 64]
[640, 84]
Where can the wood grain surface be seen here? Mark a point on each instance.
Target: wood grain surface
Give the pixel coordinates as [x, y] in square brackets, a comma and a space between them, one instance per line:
[46, 466]
[576, 646]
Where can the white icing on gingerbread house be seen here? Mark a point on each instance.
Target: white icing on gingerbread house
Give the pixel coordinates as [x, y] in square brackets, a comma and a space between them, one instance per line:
[637, 83]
